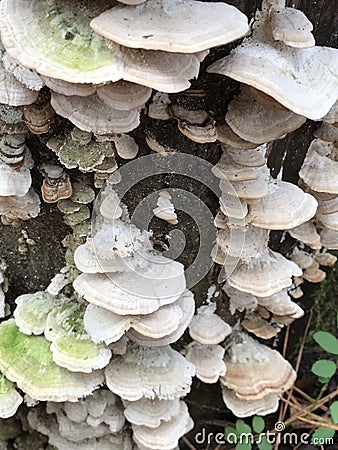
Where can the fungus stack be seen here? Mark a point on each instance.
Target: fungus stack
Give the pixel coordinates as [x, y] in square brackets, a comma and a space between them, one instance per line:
[96, 345]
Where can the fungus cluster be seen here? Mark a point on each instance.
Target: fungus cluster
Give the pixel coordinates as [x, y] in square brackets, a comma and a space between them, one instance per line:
[97, 344]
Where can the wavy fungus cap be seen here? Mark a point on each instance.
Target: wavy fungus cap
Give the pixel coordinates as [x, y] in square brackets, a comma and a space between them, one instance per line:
[285, 206]
[255, 370]
[160, 283]
[304, 80]
[246, 408]
[55, 39]
[172, 25]
[264, 275]
[28, 361]
[10, 399]
[158, 372]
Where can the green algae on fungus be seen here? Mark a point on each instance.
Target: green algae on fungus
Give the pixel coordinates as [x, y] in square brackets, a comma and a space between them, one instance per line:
[71, 346]
[77, 217]
[28, 361]
[74, 154]
[55, 39]
[32, 310]
[10, 399]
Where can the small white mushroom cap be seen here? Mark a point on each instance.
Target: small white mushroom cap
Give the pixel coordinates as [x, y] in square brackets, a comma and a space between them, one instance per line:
[285, 206]
[280, 304]
[329, 220]
[258, 326]
[93, 115]
[318, 170]
[227, 169]
[158, 372]
[110, 206]
[264, 275]
[250, 158]
[246, 408]
[123, 95]
[24, 208]
[158, 107]
[66, 88]
[303, 80]
[257, 122]
[240, 300]
[326, 132]
[326, 259]
[207, 327]
[165, 436]
[160, 283]
[165, 210]
[255, 370]
[150, 413]
[292, 27]
[232, 207]
[32, 310]
[15, 182]
[172, 25]
[329, 239]
[248, 190]
[10, 399]
[112, 326]
[26, 76]
[313, 274]
[187, 306]
[308, 234]
[242, 244]
[12, 92]
[88, 261]
[227, 136]
[208, 361]
[126, 146]
[302, 258]
[165, 72]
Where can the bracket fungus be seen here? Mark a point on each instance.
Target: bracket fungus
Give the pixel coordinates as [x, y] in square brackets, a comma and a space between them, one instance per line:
[28, 361]
[246, 408]
[255, 370]
[75, 77]
[167, 434]
[55, 39]
[165, 210]
[178, 26]
[207, 327]
[284, 207]
[302, 79]
[207, 359]
[258, 122]
[160, 283]
[31, 311]
[93, 115]
[56, 185]
[10, 399]
[158, 372]
[71, 346]
[264, 275]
